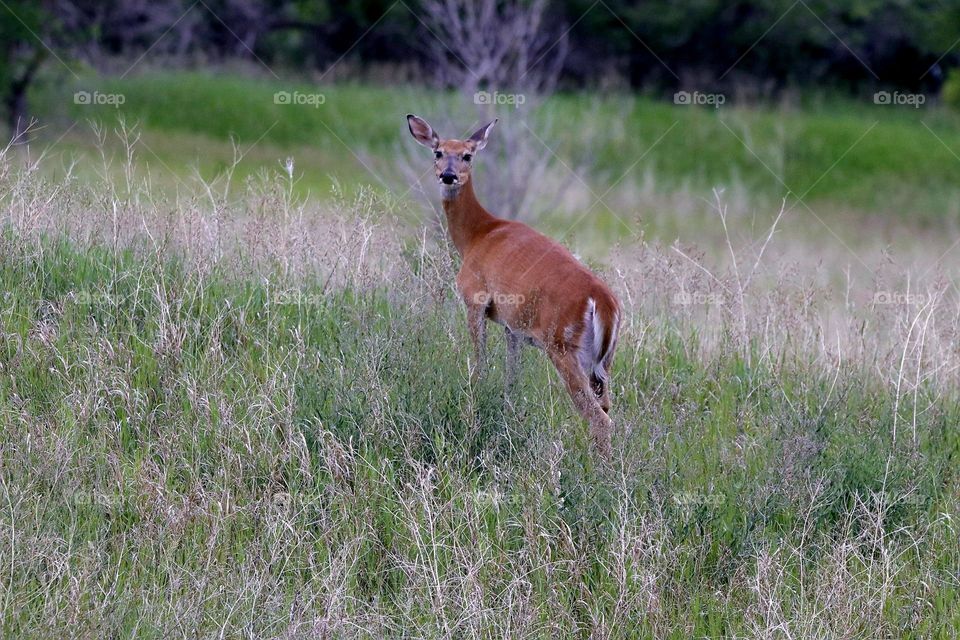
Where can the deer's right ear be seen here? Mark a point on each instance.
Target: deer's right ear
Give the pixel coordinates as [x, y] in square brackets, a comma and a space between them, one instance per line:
[422, 132]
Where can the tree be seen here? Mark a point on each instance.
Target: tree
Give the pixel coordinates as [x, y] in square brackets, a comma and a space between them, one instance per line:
[21, 22]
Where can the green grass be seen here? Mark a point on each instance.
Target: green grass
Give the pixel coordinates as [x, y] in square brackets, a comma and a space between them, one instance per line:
[897, 164]
[183, 452]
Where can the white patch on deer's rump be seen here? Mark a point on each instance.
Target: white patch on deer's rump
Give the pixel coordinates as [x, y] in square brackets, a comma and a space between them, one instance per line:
[591, 338]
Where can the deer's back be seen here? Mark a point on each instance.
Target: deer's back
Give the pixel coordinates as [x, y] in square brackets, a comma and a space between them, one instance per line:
[533, 283]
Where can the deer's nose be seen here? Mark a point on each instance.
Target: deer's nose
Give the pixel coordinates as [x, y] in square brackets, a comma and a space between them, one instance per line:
[448, 177]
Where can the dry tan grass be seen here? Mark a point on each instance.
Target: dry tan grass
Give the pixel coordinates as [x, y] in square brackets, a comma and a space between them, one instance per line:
[259, 225]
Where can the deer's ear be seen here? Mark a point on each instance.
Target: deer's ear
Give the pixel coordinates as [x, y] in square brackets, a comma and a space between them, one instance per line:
[479, 139]
[422, 132]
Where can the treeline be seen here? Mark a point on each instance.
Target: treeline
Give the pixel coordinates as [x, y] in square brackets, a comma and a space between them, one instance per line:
[853, 45]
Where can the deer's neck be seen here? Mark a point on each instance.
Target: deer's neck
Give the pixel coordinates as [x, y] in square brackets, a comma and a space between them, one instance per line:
[467, 220]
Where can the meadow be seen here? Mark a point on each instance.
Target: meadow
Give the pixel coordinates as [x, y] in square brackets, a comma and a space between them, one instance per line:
[236, 401]
[850, 154]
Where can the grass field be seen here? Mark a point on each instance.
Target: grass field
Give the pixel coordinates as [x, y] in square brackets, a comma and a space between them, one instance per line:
[231, 410]
[843, 155]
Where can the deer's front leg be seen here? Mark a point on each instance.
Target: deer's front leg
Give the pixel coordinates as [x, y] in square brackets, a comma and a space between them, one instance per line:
[477, 324]
[513, 359]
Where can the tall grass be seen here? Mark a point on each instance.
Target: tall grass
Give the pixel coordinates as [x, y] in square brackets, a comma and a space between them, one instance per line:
[234, 412]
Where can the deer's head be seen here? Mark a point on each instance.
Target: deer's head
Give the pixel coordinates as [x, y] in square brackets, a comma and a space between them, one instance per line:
[452, 159]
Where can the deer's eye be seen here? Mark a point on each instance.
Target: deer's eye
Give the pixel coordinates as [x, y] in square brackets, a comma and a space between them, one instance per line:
[467, 157]
[439, 154]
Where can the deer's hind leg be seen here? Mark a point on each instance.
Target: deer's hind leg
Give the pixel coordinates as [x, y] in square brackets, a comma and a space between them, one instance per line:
[584, 398]
[600, 376]
[601, 389]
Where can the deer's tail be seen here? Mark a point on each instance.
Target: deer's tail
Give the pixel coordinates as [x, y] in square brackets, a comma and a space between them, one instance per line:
[599, 340]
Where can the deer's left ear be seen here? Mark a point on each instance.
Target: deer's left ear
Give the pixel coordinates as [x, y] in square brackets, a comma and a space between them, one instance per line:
[479, 139]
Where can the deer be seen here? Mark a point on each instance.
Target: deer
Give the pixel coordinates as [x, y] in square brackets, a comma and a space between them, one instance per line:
[530, 284]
